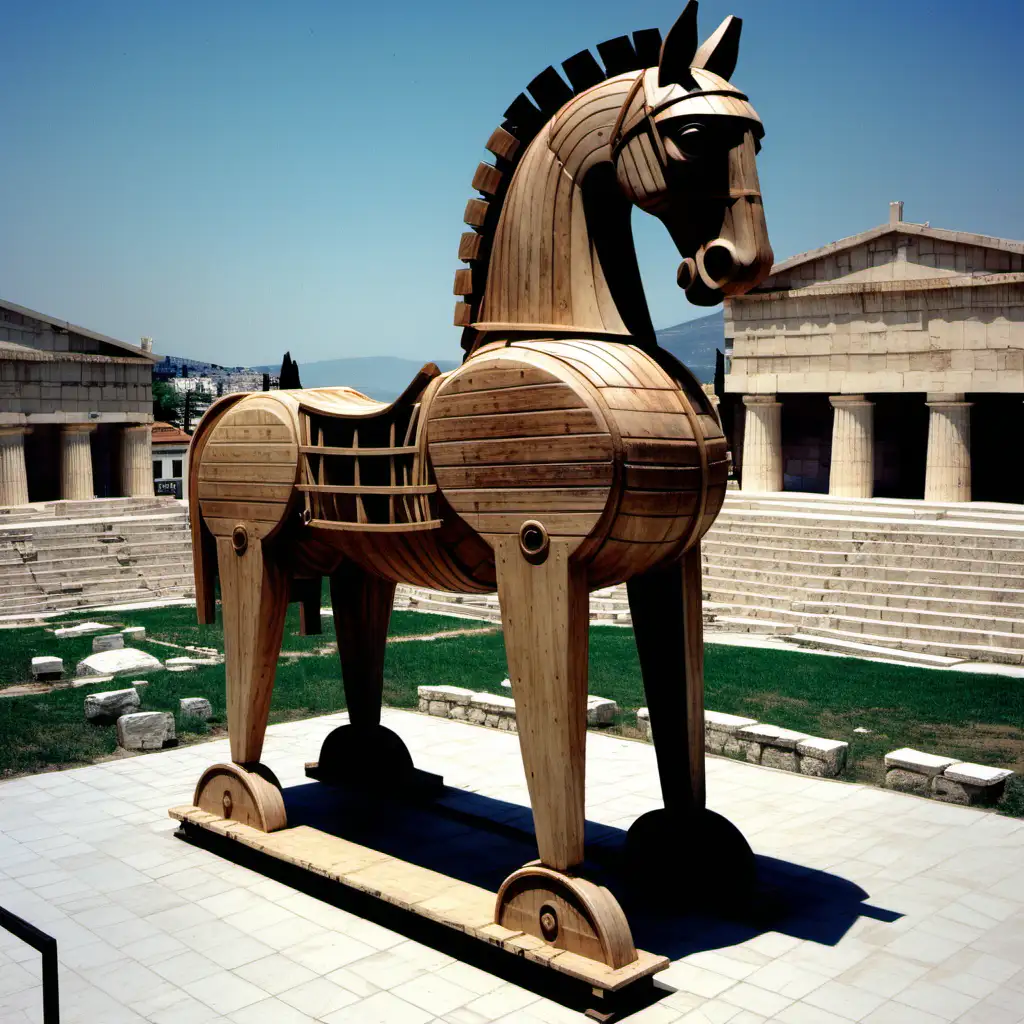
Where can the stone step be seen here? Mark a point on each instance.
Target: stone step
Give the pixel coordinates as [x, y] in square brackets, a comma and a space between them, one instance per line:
[863, 650]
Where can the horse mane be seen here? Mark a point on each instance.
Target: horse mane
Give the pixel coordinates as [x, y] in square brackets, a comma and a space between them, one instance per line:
[524, 118]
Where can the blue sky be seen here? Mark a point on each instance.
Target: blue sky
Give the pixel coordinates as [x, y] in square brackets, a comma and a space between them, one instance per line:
[236, 179]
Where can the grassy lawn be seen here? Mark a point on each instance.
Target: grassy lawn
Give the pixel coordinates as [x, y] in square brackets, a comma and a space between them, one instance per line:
[972, 717]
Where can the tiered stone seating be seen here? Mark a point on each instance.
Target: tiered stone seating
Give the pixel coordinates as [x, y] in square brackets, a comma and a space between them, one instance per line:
[933, 584]
[61, 556]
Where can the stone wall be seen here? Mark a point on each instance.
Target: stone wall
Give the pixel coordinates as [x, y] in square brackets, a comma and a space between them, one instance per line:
[104, 384]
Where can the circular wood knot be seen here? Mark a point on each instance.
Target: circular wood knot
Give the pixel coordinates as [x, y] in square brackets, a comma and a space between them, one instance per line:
[548, 923]
[534, 541]
[227, 803]
[240, 539]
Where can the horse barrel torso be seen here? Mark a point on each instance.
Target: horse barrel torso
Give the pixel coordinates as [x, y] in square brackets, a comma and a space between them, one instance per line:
[593, 440]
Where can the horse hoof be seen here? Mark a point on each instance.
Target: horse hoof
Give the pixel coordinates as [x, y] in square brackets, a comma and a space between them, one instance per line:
[566, 912]
[699, 855]
[249, 794]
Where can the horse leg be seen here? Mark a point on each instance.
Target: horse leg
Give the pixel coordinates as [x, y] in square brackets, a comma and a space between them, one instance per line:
[364, 752]
[684, 838]
[254, 598]
[545, 616]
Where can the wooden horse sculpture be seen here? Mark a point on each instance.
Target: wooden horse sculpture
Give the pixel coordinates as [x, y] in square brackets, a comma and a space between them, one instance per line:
[568, 452]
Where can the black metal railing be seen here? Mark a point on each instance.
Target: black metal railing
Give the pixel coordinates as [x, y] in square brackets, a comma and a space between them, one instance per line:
[47, 946]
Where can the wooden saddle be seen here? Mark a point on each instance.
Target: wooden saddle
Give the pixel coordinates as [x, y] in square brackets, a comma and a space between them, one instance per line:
[362, 467]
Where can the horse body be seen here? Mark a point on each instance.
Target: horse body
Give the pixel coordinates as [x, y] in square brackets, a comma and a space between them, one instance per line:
[567, 453]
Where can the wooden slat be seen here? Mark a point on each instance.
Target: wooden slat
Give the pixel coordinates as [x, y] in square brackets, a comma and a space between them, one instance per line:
[331, 524]
[262, 432]
[491, 376]
[549, 90]
[569, 524]
[242, 451]
[529, 499]
[369, 488]
[582, 70]
[245, 491]
[665, 452]
[321, 449]
[659, 503]
[524, 425]
[618, 55]
[463, 281]
[232, 472]
[673, 425]
[264, 511]
[463, 315]
[575, 447]
[507, 401]
[662, 478]
[548, 474]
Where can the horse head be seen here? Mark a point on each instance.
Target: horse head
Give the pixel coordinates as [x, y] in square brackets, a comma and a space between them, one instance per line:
[684, 150]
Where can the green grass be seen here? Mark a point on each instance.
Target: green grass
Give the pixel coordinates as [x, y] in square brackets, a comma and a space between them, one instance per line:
[968, 716]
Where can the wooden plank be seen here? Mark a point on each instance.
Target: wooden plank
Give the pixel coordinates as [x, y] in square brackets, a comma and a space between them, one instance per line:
[569, 524]
[273, 473]
[331, 524]
[495, 377]
[670, 425]
[265, 511]
[369, 488]
[487, 179]
[529, 499]
[659, 503]
[251, 452]
[525, 425]
[456, 904]
[463, 315]
[507, 401]
[538, 474]
[679, 452]
[246, 415]
[642, 399]
[550, 90]
[582, 70]
[661, 478]
[469, 246]
[262, 432]
[463, 281]
[560, 448]
[476, 212]
[244, 491]
[320, 449]
[502, 144]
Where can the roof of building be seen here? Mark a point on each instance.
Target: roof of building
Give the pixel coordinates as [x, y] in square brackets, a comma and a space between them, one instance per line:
[134, 350]
[902, 228]
[168, 433]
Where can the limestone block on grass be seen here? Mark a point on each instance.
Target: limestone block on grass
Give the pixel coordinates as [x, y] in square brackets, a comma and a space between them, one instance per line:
[449, 694]
[110, 642]
[45, 667]
[917, 761]
[82, 629]
[145, 730]
[133, 634]
[907, 781]
[493, 704]
[821, 757]
[773, 757]
[970, 784]
[771, 735]
[601, 711]
[643, 723]
[118, 663]
[720, 727]
[108, 706]
[195, 707]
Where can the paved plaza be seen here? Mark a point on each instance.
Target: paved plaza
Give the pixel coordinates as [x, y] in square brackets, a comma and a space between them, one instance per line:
[890, 909]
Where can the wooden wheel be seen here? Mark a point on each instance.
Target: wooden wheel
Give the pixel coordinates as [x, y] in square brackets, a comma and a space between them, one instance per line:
[566, 912]
[251, 795]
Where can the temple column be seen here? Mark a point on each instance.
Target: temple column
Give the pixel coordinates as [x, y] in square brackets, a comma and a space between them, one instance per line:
[762, 444]
[76, 462]
[852, 473]
[948, 469]
[137, 461]
[13, 477]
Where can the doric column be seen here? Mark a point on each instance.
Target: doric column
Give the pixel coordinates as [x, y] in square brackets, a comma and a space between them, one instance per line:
[762, 444]
[948, 470]
[76, 462]
[13, 478]
[852, 474]
[137, 461]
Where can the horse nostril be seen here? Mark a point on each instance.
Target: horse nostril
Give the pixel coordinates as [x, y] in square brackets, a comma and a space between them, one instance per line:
[687, 273]
[719, 261]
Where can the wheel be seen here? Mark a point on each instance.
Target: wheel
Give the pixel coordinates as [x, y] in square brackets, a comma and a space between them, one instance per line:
[249, 794]
[566, 912]
[697, 857]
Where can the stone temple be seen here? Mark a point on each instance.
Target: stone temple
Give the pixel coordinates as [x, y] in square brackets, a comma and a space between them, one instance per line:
[76, 409]
[887, 364]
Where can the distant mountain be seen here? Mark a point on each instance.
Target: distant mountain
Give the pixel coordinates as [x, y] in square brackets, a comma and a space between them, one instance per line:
[694, 343]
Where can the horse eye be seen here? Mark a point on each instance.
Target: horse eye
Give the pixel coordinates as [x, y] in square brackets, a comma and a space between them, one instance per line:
[692, 140]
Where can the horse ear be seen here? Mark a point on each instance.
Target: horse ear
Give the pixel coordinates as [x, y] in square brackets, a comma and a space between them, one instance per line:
[721, 49]
[678, 49]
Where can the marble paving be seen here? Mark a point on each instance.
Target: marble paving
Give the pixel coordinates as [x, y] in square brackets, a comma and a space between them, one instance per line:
[900, 910]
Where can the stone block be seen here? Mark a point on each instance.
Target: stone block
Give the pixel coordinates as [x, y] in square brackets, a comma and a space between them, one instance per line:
[917, 761]
[976, 774]
[643, 723]
[133, 634]
[457, 711]
[145, 730]
[195, 707]
[751, 751]
[110, 642]
[493, 704]
[46, 667]
[721, 722]
[774, 735]
[81, 629]
[784, 760]
[907, 781]
[449, 694]
[970, 784]
[476, 715]
[815, 766]
[424, 705]
[437, 708]
[118, 663]
[601, 711]
[109, 706]
[832, 754]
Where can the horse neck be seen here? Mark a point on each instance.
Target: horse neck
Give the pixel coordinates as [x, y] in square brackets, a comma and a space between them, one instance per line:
[563, 252]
